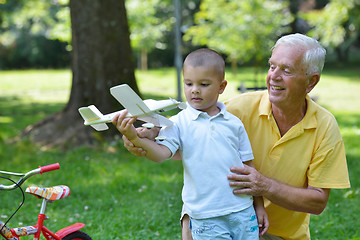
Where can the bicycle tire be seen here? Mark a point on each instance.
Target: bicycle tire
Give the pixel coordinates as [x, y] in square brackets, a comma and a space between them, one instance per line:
[78, 235]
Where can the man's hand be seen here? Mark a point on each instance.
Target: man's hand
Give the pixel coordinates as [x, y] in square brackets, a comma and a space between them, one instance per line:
[142, 133]
[248, 180]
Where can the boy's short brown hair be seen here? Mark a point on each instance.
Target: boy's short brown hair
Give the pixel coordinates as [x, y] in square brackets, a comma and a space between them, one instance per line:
[206, 57]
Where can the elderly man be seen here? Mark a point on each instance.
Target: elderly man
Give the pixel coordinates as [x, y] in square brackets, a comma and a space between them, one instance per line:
[299, 153]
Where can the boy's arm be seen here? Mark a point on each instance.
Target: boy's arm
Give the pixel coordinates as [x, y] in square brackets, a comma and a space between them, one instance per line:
[154, 151]
[261, 214]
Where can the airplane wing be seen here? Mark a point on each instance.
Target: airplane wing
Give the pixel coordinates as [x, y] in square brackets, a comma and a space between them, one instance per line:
[139, 108]
[157, 120]
[130, 100]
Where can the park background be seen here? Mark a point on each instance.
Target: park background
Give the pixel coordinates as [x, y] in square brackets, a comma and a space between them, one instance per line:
[56, 56]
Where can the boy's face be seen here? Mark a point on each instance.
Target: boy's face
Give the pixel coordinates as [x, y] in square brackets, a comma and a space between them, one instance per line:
[202, 86]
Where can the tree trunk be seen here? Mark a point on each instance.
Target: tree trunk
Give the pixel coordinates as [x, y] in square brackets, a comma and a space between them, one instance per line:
[101, 59]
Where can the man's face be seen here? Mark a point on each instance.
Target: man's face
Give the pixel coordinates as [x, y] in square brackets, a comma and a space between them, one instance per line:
[202, 86]
[286, 79]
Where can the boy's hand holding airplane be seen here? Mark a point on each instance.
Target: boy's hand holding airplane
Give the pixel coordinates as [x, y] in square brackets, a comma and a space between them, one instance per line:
[125, 125]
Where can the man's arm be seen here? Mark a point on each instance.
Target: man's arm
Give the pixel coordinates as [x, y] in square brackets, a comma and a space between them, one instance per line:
[250, 181]
[142, 133]
[145, 133]
[154, 151]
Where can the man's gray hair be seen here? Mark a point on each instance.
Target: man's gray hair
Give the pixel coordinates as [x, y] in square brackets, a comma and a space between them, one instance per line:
[314, 57]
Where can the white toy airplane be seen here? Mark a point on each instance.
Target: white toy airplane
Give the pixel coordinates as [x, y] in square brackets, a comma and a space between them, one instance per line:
[147, 110]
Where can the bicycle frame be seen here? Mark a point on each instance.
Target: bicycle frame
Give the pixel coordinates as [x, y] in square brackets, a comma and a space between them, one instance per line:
[36, 230]
[39, 228]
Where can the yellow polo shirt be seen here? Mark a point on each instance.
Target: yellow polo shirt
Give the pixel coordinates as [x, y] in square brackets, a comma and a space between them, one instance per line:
[310, 153]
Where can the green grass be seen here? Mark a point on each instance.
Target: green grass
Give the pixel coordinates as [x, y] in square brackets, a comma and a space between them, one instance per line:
[36, 86]
[120, 196]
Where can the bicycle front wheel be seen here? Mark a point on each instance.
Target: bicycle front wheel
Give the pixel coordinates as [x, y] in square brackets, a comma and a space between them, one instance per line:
[78, 235]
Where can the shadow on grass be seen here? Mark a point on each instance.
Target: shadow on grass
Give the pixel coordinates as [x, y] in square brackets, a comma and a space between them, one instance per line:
[15, 106]
[16, 114]
[349, 124]
[348, 119]
[352, 73]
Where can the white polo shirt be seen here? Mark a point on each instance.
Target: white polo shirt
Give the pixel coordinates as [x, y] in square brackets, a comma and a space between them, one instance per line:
[209, 146]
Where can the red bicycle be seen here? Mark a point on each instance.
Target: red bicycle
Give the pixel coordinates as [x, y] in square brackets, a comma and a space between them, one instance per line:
[47, 195]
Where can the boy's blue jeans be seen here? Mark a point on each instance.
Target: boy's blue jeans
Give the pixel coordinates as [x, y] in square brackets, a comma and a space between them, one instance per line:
[239, 225]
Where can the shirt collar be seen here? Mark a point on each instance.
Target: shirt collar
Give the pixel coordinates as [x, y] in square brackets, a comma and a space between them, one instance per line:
[195, 114]
[265, 105]
[309, 121]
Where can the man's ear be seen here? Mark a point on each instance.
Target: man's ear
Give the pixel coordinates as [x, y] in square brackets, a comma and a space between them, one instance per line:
[222, 86]
[312, 81]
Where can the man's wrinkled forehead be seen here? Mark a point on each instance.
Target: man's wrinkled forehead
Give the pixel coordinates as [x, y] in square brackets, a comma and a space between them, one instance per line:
[285, 54]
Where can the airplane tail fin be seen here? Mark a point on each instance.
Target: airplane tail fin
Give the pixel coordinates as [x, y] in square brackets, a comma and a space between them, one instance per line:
[91, 114]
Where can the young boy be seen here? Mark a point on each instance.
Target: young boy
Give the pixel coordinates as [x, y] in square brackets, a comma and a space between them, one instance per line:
[210, 141]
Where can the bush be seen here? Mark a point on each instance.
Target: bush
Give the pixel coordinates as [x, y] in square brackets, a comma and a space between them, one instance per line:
[34, 51]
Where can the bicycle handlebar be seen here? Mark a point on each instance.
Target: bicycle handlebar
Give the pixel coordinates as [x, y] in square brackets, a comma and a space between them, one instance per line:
[25, 176]
[49, 168]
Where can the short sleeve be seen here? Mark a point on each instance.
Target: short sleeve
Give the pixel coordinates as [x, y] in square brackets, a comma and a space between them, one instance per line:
[172, 138]
[328, 167]
[245, 151]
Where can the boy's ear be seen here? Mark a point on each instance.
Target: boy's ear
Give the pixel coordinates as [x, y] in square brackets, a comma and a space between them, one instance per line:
[312, 81]
[223, 85]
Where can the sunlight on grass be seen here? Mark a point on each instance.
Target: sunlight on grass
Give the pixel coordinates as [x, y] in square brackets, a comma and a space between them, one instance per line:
[158, 81]
[338, 93]
[4, 119]
[36, 85]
